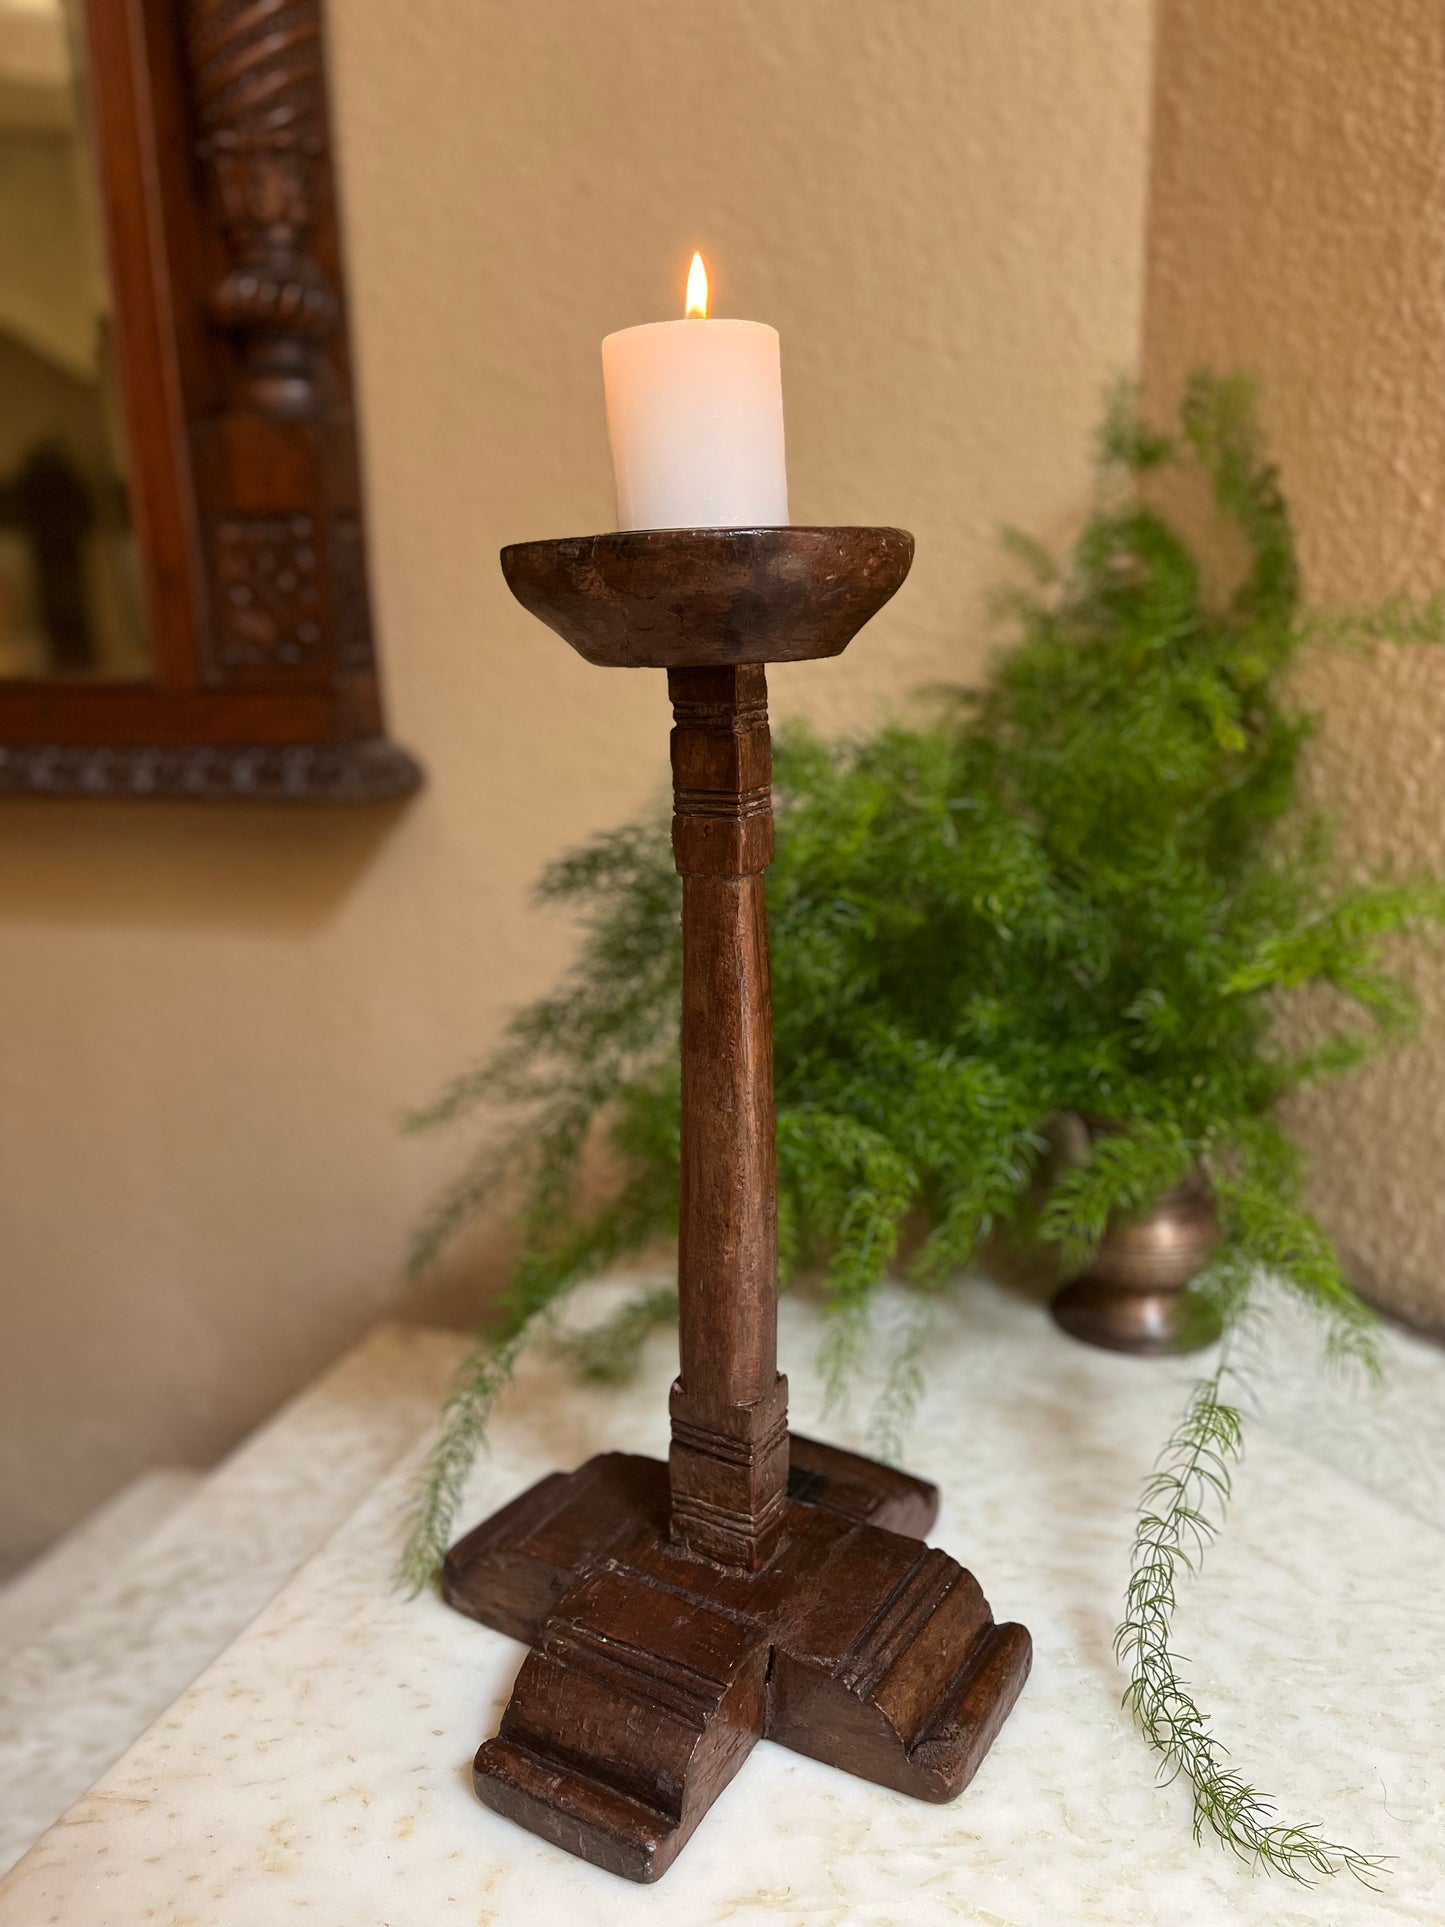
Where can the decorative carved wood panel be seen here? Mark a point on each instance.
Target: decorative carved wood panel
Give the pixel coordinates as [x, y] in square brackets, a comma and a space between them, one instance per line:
[219, 202]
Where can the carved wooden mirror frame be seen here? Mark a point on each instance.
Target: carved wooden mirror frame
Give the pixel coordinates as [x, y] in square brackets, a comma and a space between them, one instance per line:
[211, 127]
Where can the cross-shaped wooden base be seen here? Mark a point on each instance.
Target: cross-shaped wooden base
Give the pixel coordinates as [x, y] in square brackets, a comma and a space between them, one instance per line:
[653, 1672]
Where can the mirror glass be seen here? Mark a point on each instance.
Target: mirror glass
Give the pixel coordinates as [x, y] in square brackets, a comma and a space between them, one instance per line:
[70, 599]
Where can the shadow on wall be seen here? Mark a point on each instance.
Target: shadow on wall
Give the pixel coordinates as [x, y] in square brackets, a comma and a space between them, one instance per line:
[463, 1289]
[260, 869]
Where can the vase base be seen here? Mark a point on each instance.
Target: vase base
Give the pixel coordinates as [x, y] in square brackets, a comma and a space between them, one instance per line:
[1150, 1324]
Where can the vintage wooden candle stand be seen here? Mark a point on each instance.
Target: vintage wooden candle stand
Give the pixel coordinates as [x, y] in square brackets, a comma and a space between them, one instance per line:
[757, 1585]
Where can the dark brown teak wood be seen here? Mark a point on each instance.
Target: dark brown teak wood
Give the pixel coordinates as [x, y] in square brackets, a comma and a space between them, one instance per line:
[760, 1585]
[218, 203]
[706, 598]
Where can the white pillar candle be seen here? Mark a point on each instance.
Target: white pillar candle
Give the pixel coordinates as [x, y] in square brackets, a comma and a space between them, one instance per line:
[695, 419]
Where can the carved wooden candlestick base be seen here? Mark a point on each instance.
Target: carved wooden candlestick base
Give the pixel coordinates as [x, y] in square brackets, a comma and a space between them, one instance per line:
[757, 1585]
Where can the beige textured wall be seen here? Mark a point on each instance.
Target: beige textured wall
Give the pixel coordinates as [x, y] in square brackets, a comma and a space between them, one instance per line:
[213, 1019]
[1297, 228]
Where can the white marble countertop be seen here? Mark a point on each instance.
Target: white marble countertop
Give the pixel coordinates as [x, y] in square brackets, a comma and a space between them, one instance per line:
[319, 1770]
[75, 1694]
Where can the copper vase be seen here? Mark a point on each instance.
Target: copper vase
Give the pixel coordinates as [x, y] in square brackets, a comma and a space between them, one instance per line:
[1132, 1297]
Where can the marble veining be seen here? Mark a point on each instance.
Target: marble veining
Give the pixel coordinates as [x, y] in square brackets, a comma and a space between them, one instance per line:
[319, 1769]
[118, 1530]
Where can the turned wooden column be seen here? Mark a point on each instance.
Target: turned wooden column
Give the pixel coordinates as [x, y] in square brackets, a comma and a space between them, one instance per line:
[729, 1458]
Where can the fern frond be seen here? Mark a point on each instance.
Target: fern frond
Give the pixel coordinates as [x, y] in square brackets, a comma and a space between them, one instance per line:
[607, 1354]
[441, 1483]
[1182, 1507]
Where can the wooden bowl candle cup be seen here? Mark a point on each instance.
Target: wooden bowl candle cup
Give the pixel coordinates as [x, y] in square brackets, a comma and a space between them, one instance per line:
[758, 1584]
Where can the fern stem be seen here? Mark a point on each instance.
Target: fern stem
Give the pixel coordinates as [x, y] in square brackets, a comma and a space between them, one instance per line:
[1183, 1504]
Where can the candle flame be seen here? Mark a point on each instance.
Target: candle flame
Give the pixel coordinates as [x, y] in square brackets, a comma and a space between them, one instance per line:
[696, 309]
